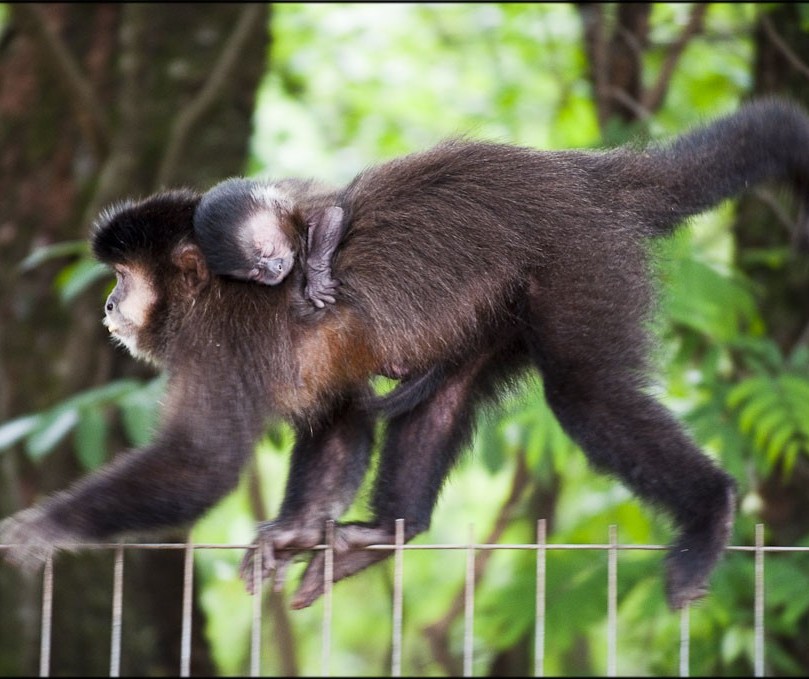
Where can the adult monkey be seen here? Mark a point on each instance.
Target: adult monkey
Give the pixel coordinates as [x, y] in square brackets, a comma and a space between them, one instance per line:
[481, 258]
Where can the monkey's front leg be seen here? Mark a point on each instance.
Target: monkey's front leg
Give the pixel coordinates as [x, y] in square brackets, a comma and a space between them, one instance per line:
[328, 465]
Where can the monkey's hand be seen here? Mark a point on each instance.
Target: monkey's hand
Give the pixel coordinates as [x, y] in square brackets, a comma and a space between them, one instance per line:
[321, 288]
[350, 556]
[29, 537]
[278, 543]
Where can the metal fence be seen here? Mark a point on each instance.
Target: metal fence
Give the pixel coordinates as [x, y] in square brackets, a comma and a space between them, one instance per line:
[541, 547]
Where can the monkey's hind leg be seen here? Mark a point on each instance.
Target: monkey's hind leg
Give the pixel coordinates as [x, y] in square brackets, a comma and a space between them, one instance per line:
[422, 446]
[593, 369]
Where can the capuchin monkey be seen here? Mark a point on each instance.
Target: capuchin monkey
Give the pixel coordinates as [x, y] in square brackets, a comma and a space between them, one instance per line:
[485, 259]
[254, 231]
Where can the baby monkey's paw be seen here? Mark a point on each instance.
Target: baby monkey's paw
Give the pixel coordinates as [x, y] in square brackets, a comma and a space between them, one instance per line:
[321, 290]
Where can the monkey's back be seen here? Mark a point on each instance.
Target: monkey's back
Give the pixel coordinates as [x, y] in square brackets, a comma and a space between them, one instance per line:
[441, 244]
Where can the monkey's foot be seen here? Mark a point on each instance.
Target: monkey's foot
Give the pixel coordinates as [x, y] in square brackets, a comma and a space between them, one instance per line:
[278, 542]
[350, 557]
[693, 556]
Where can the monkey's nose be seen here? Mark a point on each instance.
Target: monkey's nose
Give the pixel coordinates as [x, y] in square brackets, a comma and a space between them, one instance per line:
[276, 266]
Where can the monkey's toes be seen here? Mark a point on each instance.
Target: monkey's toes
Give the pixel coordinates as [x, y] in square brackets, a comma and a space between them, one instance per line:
[313, 581]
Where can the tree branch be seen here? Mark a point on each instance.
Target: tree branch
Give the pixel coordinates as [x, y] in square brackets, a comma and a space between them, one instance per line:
[793, 59]
[218, 79]
[595, 43]
[79, 90]
[638, 109]
[769, 199]
[653, 97]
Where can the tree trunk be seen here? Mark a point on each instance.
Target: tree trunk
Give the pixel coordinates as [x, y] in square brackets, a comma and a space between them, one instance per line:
[616, 41]
[100, 102]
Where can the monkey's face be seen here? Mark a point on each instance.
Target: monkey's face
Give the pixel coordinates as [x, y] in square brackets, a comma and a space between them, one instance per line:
[266, 249]
[129, 306]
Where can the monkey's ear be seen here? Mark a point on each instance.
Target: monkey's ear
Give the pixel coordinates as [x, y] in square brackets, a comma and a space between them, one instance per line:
[190, 261]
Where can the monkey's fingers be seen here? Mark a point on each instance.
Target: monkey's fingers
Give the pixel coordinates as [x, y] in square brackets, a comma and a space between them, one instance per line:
[321, 289]
[322, 300]
[281, 568]
[30, 538]
[321, 296]
[268, 563]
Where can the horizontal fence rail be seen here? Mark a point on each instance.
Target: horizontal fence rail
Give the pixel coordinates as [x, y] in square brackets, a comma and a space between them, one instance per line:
[541, 547]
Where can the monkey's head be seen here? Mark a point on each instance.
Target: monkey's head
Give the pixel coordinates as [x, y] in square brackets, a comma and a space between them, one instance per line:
[159, 269]
[246, 228]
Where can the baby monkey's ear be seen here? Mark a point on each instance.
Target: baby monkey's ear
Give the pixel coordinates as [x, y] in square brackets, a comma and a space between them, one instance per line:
[189, 260]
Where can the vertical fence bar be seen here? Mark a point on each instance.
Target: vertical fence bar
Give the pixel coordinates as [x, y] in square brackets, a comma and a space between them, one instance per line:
[47, 616]
[539, 629]
[188, 590]
[469, 605]
[612, 603]
[255, 636]
[398, 596]
[328, 581]
[117, 612]
[685, 639]
[759, 601]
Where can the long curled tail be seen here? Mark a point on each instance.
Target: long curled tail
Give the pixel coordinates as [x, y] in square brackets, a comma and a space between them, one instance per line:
[765, 140]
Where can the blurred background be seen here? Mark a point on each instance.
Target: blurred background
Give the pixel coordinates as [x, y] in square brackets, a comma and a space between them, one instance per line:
[100, 102]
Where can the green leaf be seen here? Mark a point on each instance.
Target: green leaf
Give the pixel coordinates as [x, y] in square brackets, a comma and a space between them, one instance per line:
[734, 642]
[490, 441]
[112, 391]
[53, 428]
[77, 277]
[756, 406]
[90, 439]
[55, 251]
[768, 425]
[777, 443]
[796, 387]
[17, 429]
[139, 411]
[747, 388]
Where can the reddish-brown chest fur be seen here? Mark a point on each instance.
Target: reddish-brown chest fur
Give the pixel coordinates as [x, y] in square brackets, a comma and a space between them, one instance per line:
[332, 356]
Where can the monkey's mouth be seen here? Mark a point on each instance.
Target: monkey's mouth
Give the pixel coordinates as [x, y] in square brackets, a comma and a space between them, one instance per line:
[111, 326]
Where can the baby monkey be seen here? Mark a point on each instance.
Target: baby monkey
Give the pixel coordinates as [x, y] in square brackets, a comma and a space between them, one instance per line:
[254, 230]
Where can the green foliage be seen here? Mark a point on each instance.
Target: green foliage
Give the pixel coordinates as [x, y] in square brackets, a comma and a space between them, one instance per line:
[771, 409]
[351, 84]
[76, 276]
[523, 425]
[86, 414]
